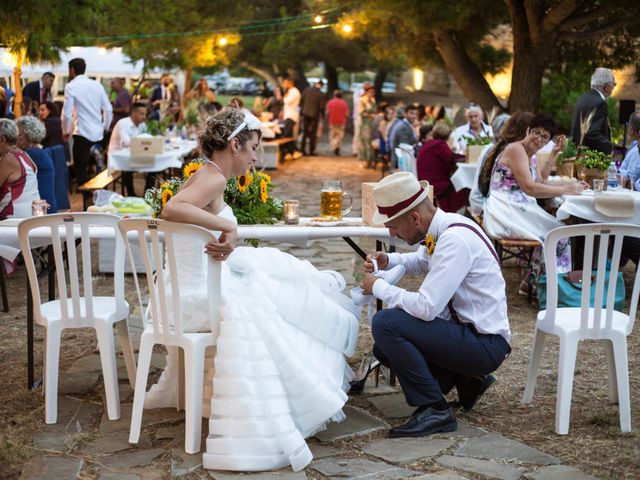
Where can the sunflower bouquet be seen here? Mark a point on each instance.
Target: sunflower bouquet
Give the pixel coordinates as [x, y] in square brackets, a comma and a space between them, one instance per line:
[250, 198]
[157, 197]
[249, 195]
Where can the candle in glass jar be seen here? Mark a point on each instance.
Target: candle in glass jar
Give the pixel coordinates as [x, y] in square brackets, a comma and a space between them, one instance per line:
[291, 212]
[39, 208]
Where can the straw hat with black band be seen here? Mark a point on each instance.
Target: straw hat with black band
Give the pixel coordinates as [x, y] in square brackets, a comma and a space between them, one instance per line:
[397, 194]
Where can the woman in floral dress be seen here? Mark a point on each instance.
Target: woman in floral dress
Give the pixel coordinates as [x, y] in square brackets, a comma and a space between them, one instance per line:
[511, 211]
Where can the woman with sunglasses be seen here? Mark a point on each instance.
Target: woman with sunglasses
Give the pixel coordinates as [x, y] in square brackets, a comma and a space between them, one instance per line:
[286, 328]
[511, 210]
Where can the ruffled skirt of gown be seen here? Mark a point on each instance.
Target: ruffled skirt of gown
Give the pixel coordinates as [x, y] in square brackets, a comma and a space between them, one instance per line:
[280, 362]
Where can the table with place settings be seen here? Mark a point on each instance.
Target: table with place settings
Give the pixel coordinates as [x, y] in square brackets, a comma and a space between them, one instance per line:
[616, 206]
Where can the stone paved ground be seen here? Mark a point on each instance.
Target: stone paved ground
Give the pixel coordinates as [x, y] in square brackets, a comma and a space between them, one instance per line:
[85, 444]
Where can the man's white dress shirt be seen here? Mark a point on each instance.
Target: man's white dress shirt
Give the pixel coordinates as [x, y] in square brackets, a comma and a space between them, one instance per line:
[291, 103]
[631, 165]
[461, 268]
[123, 131]
[86, 110]
[460, 143]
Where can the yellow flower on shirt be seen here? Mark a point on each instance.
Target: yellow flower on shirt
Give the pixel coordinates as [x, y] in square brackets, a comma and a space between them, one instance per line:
[430, 243]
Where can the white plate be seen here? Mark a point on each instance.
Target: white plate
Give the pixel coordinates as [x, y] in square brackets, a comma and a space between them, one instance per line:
[587, 193]
[324, 224]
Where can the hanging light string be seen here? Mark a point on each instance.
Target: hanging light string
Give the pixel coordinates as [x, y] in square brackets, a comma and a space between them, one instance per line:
[330, 16]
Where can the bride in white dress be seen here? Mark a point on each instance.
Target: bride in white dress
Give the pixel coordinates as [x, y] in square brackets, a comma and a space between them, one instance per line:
[280, 362]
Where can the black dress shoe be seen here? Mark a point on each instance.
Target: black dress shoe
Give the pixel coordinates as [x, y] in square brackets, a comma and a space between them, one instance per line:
[426, 422]
[472, 393]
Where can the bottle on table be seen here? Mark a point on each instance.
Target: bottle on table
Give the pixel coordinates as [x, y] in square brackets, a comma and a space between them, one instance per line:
[612, 179]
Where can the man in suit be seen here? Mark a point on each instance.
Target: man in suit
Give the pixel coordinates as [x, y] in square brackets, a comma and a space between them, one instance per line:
[165, 92]
[402, 131]
[312, 102]
[40, 90]
[593, 105]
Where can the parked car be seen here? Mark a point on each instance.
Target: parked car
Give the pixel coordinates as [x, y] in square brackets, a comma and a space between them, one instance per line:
[240, 86]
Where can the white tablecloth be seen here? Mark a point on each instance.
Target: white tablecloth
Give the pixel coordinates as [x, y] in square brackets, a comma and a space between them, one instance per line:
[171, 158]
[464, 175]
[583, 206]
[298, 235]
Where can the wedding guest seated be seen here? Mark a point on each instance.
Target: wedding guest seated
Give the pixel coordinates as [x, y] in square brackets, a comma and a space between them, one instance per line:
[31, 131]
[436, 163]
[18, 182]
[511, 210]
[454, 331]
[50, 116]
[123, 131]
[630, 168]
[474, 128]
[507, 129]
[425, 132]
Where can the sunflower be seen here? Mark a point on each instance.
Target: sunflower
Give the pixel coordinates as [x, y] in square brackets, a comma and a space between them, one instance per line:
[430, 243]
[244, 181]
[264, 193]
[166, 196]
[265, 176]
[191, 168]
[164, 186]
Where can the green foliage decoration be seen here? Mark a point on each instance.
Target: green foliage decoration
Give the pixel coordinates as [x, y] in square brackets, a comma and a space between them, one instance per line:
[481, 140]
[594, 159]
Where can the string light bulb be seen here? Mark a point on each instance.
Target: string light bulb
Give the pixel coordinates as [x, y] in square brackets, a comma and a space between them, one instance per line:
[346, 28]
[317, 19]
[223, 41]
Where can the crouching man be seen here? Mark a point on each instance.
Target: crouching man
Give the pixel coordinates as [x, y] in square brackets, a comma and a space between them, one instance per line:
[454, 331]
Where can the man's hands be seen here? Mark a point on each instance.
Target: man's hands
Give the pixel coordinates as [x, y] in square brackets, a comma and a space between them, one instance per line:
[381, 258]
[221, 250]
[367, 284]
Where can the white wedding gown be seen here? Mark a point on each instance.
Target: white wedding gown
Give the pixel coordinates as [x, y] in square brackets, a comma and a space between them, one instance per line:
[280, 362]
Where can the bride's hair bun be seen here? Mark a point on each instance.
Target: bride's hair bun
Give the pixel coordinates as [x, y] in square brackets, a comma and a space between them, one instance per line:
[213, 137]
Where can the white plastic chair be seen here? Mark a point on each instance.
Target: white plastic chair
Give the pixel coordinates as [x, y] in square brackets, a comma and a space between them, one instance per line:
[582, 323]
[74, 309]
[406, 158]
[165, 325]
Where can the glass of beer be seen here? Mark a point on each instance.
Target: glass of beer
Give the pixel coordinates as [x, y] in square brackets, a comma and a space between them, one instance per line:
[332, 199]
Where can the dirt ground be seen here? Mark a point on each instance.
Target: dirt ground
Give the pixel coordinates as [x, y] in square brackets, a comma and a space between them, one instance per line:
[594, 444]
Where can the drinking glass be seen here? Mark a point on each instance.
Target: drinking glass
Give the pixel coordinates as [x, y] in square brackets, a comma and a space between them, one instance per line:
[39, 208]
[622, 180]
[598, 185]
[332, 199]
[291, 212]
[632, 182]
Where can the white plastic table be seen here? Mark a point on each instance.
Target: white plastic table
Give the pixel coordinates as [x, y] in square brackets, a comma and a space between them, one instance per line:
[171, 158]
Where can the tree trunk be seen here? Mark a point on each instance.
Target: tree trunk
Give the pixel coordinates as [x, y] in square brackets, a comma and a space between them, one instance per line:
[17, 100]
[267, 75]
[381, 76]
[187, 87]
[464, 70]
[526, 81]
[331, 74]
[531, 51]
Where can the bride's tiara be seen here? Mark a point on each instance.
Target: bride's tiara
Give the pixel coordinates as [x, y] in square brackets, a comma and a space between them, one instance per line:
[250, 122]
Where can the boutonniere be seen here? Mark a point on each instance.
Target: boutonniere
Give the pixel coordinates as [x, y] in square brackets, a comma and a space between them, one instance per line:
[430, 243]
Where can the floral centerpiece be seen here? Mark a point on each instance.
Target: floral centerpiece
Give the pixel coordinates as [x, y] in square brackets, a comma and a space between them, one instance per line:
[592, 164]
[249, 195]
[475, 145]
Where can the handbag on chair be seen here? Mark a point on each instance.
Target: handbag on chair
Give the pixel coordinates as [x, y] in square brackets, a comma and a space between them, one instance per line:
[570, 290]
